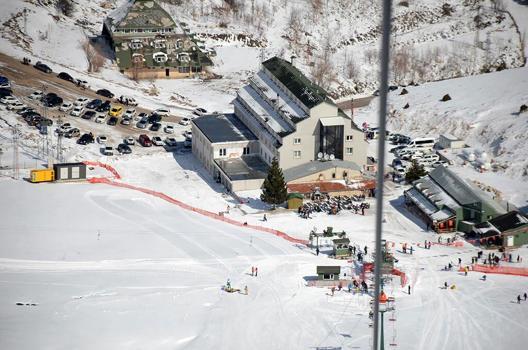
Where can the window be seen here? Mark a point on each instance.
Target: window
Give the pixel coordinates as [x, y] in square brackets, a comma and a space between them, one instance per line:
[328, 276]
[349, 150]
[246, 150]
[349, 137]
[223, 152]
[297, 154]
[297, 141]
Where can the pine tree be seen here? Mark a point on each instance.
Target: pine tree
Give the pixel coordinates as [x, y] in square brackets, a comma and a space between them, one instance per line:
[274, 189]
[414, 172]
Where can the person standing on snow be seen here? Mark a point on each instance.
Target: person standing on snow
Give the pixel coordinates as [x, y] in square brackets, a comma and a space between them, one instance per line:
[409, 289]
[265, 218]
[252, 270]
[246, 290]
[525, 296]
[256, 271]
[365, 250]
[518, 299]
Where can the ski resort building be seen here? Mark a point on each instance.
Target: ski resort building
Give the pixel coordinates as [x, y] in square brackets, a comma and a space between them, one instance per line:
[149, 44]
[449, 203]
[509, 230]
[289, 118]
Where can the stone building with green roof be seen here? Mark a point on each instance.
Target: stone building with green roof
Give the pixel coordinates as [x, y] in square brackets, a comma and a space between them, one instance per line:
[149, 44]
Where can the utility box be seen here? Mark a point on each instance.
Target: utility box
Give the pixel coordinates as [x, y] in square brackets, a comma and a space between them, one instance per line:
[69, 171]
[41, 175]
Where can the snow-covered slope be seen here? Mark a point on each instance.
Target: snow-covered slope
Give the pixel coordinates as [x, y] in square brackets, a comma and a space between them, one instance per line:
[336, 41]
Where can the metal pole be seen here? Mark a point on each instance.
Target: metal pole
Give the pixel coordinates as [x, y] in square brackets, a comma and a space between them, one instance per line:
[382, 338]
[385, 47]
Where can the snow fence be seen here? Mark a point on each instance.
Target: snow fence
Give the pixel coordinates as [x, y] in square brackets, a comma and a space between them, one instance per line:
[503, 270]
[191, 208]
[105, 166]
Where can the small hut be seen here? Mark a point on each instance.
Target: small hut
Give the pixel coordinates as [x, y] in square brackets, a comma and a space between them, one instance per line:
[295, 200]
[341, 247]
[328, 273]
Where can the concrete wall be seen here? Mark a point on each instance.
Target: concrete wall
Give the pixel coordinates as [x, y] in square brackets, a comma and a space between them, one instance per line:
[359, 146]
[202, 149]
[246, 185]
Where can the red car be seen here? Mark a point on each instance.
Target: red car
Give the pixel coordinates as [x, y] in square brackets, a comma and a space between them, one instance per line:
[144, 140]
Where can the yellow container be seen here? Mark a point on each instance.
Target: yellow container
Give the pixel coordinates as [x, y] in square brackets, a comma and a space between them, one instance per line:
[42, 175]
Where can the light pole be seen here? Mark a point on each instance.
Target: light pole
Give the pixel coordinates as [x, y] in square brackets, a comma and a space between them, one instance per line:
[384, 305]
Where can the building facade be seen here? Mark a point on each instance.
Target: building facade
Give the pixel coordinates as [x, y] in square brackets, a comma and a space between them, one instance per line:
[149, 44]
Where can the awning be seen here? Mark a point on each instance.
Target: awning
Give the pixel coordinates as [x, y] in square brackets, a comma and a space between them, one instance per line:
[332, 121]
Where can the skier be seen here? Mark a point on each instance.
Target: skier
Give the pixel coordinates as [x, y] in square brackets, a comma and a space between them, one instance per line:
[333, 290]
[256, 271]
[518, 299]
[363, 211]
[450, 266]
[246, 290]
[445, 285]
[252, 270]
[228, 284]
[459, 261]
[265, 218]
[317, 251]
[411, 250]
[350, 288]
[525, 296]
[365, 250]
[484, 278]
[409, 289]
[518, 258]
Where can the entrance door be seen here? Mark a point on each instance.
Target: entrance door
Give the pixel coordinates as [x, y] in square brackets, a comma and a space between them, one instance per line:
[509, 242]
[166, 72]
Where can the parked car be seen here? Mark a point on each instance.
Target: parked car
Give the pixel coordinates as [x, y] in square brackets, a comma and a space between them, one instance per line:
[86, 139]
[25, 110]
[129, 140]
[157, 141]
[5, 92]
[187, 134]
[112, 121]
[187, 144]
[36, 95]
[101, 139]
[163, 112]
[105, 93]
[64, 128]
[171, 141]
[127, 100]
[65, 76]
[141, 116]
[51, 100]
[81, 101]
[115, 111]
[169, 129]
[200, 111]
[154, 118]
[144, 140]
[104, 107]
[42, 67]
[72, 133]
[155, 126]
[124, 149]
[107, 151]
[4, 82]
[7, 100]
[185, 121]
[100, 119]
[45, 122]
[130, 113]
[77, 111]
[400, 171]
[142, 124]
[16, 106]
[93, 104]
[88, 115]
[81, 83]
[66, 106]
[126, 121]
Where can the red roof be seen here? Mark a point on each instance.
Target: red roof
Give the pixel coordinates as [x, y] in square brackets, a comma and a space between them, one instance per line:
[309, 187]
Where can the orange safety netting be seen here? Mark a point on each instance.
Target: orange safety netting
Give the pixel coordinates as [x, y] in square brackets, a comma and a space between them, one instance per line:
[103, 165]
[503, 270]
[198, 210]
[403, 276]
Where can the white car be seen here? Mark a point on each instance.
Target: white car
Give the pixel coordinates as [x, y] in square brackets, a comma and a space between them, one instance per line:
[7, 100]
[107, 151]
[157, 141]
[185, 121]
[82, 83]
[101, 139]
[126, 120]
[100, 119]
[187, 134]
[16, 106]
[66, 106]
[36, 95]
[171, 141]
[130, 113]
[77, 111]
[162, 112]
[200, 111]
[169, 129]
[130, 140]
[64, 128]
[81, 101]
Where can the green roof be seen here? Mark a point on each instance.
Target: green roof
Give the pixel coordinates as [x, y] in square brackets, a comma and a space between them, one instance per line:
[145, 14]
[341, 241]
[328, 269]
[299, 85]
[294, 195]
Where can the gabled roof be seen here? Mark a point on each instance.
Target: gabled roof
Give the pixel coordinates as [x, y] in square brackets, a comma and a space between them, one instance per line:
[509, 221]
[137, 14]
[457, 188]
[299, 85]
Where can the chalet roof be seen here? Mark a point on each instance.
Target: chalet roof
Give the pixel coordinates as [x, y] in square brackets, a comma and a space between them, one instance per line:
[509, 221]
[328, 269]
[139, 14]
[294, 80]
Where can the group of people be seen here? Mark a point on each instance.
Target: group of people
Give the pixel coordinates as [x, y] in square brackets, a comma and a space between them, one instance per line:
[404, 248]
[427, 245]
[519, 298]
[354, 285]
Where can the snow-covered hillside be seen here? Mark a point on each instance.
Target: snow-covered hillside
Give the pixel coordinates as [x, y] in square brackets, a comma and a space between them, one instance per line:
[336, 42]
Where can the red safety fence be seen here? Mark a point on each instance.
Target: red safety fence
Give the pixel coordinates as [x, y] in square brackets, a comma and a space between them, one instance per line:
[403, 276]
[103, 165]
[198, 210]
[503, 270]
